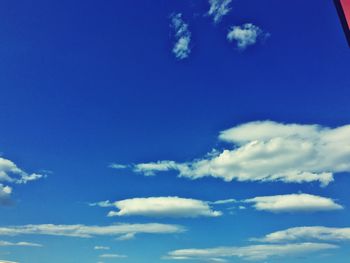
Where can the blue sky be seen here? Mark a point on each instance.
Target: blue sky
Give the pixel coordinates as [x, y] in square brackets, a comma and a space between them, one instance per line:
[154, 112]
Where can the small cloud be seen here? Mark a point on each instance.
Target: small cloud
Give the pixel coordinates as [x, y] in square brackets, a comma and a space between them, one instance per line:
[117, 166]
[113, 256]
[245, 35]
[224, 202]
[181, 47]
[5, 194]
[106, 203]
[218, 9]
[101, 248]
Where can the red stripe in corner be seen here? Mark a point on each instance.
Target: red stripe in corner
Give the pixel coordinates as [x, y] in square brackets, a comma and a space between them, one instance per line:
[346, 9]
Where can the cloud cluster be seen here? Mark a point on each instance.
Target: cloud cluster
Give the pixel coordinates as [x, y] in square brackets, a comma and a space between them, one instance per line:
[177, 207]
[218, 9]
[181, 47]
[245, 35]
[267, 151]
[83, 231]
[10, 173]
[254, 253]
[162, 207]
[321, 233]
[293, 203]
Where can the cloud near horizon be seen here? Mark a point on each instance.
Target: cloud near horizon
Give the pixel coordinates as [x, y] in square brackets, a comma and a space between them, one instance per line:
[267, 151]
[83, 231]
[320, 233]
[252, 253]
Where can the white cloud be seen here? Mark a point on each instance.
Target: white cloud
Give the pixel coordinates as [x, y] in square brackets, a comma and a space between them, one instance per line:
[218, 9]
[268, 151]
[117, 166]
[163, 207]
[112, 256]
[307, 233]
[254, 253]
[293, 203]
[10, 173]
[18, 244]
[102, 204]
[83, 231]
[5, 193]
[101, 248]
[245, 35]
[181, 47]
[6, 261]
[224, 202]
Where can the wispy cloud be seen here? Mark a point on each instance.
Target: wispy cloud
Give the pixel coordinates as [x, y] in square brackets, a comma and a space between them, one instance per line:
[117, 166]
[320, 233]
[101, 248]
[83, 231]
[293, 203]
[163, 207]
[254, 253]
[218, 9]
[18, 244]
[246, 35]
[10, 173]
[268, 151]
[112, 256]
[181, 47]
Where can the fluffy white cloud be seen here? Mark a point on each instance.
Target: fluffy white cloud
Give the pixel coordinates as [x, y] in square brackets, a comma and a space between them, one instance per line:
[255, 252]
[83, 231]
[267, 151]
[218, 9]
[112, 256]
[163, 207]
[293, 203]
[245, 35]
[307, 233]
[18, 244]
[181, 47]
[6, 261]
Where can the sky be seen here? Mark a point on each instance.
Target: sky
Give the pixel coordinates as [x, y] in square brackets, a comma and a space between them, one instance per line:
[174, 131]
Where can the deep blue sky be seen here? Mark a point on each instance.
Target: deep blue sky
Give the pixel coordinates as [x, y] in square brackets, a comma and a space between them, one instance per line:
[87, 83]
